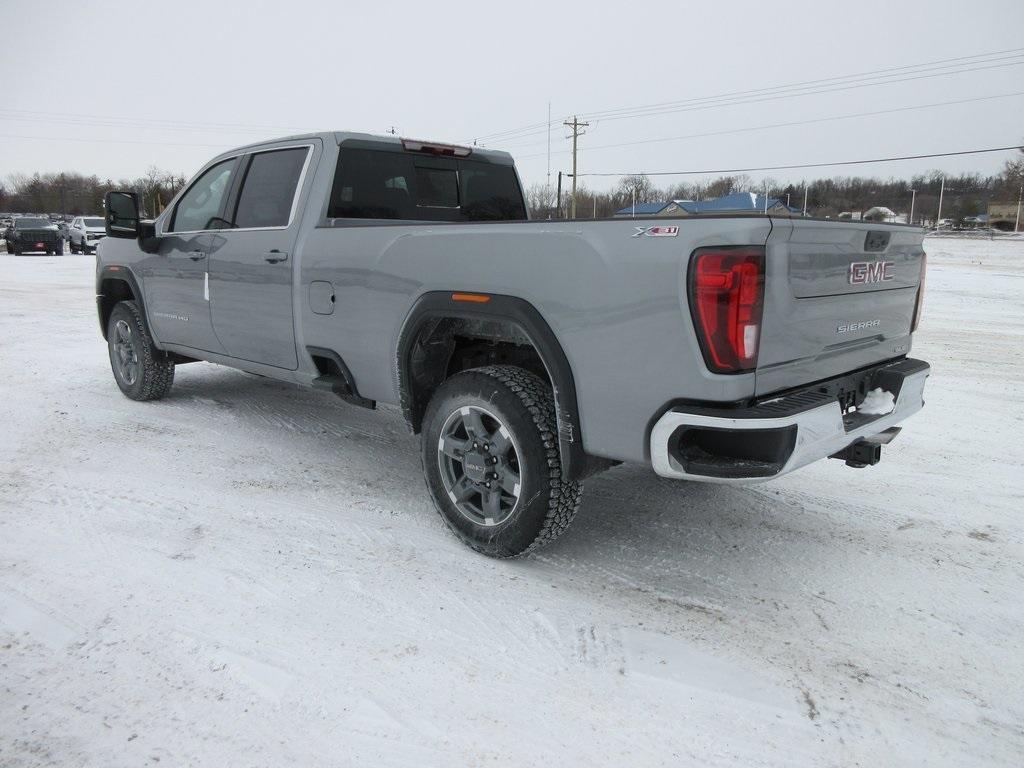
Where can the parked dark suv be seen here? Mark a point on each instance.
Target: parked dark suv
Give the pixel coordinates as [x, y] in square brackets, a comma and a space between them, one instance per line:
[31, 233]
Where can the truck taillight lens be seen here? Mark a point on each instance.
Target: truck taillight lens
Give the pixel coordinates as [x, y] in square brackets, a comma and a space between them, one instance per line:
[727, 298]
[919, 302]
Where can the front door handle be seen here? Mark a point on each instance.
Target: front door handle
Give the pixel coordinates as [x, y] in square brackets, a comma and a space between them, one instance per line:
[275, 256]
[196, 255]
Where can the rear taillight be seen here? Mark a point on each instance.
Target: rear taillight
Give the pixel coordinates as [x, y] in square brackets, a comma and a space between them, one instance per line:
[726, 298]
[919, 302]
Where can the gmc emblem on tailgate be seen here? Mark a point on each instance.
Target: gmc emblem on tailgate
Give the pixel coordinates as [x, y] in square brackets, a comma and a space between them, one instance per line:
[864, 272]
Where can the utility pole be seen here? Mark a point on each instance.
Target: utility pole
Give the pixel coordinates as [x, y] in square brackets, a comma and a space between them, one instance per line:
[942, 191]
[1016, 226]
[576, 125]
[766, 197]
[559, 204]
[549, 145]
[913, 199]
[805, 199]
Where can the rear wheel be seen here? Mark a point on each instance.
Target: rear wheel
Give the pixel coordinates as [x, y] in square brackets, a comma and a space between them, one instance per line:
[16, 250]
[72, 247]
[141, 370]
[59, 249]
[491, 461]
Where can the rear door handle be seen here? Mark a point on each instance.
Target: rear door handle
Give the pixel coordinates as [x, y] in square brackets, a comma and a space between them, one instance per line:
[275, 256]
[196, 255]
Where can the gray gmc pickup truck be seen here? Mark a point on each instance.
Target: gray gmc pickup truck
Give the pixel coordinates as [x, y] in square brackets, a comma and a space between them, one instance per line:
[529, 354]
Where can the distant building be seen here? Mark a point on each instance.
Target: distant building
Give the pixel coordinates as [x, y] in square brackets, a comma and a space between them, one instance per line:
[651, 209]
[1002, 216]
[749, 202]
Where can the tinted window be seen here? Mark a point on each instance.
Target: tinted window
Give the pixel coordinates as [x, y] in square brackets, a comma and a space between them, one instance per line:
[269, 188]
[371, 184]
[201, 204]
[94, 222]
[437, 187]
[490, 192]
[27, 223]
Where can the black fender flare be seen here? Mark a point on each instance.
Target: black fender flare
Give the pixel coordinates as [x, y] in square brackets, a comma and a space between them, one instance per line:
[438, 304]
[125, 275]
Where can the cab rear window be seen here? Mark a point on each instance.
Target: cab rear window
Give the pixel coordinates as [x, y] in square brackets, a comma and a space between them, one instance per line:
[374, 184]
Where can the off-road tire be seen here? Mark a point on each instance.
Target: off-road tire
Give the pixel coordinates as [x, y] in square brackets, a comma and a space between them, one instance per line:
[72, 247]
[16, 250]
[154, 372]
[59, 249]
[523, 403]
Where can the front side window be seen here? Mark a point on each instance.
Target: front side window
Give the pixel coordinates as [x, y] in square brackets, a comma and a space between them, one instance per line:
[269, 188]
[200, 206]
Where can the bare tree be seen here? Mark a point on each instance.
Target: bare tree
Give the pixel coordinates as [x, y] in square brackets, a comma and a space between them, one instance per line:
[541, 200]
[637, 185]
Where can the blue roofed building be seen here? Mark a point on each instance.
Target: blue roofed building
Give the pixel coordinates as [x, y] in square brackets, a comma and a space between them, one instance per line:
[738, 202]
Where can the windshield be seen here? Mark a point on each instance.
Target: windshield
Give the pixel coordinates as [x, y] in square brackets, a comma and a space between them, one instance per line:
[93, 222]
[25, 223]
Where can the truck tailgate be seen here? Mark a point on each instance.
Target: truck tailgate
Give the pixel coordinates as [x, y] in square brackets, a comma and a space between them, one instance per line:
[838, 296]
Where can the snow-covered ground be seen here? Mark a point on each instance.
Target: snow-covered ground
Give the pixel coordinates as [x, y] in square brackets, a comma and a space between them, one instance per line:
[247, 574]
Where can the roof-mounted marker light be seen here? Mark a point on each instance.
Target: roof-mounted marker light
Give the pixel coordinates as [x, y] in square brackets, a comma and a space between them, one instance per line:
[432, 148]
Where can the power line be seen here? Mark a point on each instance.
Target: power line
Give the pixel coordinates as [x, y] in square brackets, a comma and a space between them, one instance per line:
[701, 108]
[790, 124]
[805, 165]
[824, 83]
[871, 74]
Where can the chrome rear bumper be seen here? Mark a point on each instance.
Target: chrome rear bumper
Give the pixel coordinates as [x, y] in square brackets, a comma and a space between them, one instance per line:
[795, 439]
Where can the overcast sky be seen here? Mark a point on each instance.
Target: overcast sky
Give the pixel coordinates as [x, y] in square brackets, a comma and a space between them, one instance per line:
[113, 88]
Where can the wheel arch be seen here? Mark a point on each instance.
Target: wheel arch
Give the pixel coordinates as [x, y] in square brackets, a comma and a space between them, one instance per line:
[115, 284]
[435, 308]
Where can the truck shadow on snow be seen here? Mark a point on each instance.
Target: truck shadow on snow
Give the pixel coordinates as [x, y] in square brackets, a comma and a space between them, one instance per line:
[630, 521]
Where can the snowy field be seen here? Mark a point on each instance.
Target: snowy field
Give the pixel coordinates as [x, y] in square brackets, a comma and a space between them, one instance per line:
[247, 574]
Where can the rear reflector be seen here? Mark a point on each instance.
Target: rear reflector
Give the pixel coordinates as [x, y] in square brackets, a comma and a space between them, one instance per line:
[727, 299]
[432, 148]
[919, 301]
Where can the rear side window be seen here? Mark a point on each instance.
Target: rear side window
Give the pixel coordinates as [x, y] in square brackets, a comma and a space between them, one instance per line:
[200, 206]
[269, 188]
[373, 184]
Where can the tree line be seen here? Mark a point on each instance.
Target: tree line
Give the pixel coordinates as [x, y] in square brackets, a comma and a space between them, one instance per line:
[75, 194]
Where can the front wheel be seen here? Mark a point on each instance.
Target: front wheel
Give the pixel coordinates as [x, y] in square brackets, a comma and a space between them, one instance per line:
[141, 370]
[491, 461]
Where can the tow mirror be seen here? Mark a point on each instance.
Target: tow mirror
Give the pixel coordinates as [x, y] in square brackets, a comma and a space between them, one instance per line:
[122, 217]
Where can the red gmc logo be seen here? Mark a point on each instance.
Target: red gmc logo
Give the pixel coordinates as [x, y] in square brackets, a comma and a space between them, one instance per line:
[864, 272]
